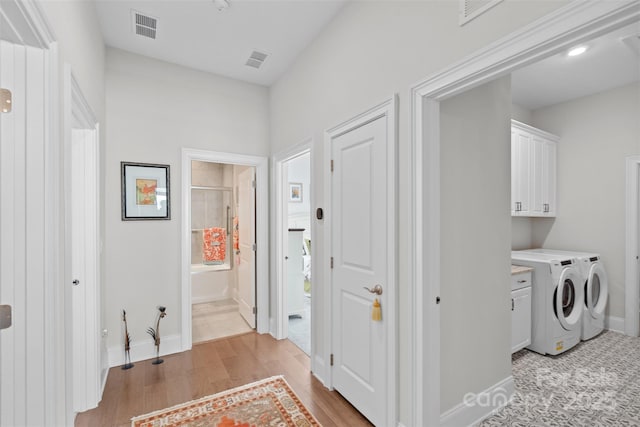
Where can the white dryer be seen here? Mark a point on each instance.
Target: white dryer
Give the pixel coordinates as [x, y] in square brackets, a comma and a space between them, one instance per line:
[557, 300]
[596, 289]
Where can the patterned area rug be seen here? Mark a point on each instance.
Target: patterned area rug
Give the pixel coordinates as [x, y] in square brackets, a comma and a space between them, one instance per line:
[269, 403]
[595, 384]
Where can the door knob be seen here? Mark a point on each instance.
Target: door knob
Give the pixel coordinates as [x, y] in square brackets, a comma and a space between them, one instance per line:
[377, 289]
[76, 282]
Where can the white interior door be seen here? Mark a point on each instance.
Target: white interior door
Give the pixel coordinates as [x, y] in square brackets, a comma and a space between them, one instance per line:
[361, 254]
[247, 240]
[24, 283]
[85, 309]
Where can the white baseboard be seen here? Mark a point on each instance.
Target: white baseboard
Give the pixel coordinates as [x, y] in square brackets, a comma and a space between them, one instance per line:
[200, 300]
[478, 406]
[145, 350]
[615, 324]
[318, 369]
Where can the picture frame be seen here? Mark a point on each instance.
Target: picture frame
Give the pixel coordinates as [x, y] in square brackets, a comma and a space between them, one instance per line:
[295, 192]
[145, 191]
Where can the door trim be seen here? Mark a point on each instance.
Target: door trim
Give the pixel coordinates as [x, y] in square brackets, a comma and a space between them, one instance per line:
[632, 247]
[262, 233]
[576, 22]
[79, 115]
[26, 24]
[280, 328]
[389, 110]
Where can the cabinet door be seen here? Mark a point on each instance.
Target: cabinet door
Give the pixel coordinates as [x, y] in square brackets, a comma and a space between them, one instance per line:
[536, 204]
[520, 319]
[549, 178]
[520, 172]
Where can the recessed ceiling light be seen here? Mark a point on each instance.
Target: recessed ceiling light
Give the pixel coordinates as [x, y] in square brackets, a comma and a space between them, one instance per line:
[578, 50]
[221, 4]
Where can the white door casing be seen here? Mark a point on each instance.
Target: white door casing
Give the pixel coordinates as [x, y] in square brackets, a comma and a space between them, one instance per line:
[632, 248]
[361, 239]
[569, 25]
[261, 165]
[82, 222]
[280, 225]
[247, 234]
[30, 354]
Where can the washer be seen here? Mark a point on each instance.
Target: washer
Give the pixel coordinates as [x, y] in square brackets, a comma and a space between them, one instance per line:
[596, 289]
[557, 300]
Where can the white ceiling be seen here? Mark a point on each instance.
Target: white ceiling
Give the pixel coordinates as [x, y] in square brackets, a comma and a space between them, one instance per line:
[194, 33]
[608, 63]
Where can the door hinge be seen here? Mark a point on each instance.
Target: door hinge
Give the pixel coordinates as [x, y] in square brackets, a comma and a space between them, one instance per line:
[331, 360]
[255, 310]
[5, 316]
[5, 100]
[254, 247]
[253, 183]
[331, 165]
[331, 262]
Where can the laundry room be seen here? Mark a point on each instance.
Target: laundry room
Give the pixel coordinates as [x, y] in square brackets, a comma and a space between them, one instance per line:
[574, 129]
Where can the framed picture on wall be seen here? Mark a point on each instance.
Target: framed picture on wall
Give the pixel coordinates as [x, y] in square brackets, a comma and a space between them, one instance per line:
[295, 192]
[145, 191]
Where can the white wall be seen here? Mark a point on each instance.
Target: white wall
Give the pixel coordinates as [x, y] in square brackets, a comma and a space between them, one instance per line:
[475, 246]
[596, 133]
[370, 51]
[155, 109]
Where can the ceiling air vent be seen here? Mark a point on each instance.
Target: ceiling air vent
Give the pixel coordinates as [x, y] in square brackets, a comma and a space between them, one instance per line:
[470, 9]
[144, 25]
[256, 59]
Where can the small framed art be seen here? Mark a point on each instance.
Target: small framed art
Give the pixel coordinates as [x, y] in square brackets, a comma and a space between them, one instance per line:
[145, 191]
[295, 192]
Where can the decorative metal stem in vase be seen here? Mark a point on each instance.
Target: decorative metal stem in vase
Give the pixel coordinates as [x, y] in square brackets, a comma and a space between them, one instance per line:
[127, 344]
[155, 334]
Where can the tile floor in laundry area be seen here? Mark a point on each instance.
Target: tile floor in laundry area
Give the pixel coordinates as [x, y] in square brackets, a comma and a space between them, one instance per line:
[217, 319]
[597, 383]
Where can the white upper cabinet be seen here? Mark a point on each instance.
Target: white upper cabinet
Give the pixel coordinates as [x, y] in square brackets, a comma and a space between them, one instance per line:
[533, 171]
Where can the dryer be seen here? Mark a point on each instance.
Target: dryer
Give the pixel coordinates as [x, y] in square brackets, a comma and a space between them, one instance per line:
[596, 289]
[557, 300]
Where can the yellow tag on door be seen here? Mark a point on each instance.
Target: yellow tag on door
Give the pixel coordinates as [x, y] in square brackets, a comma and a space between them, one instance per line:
[376, 312]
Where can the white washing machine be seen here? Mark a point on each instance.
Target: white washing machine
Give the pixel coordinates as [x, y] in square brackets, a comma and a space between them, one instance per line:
[596, 289]
[557, 299]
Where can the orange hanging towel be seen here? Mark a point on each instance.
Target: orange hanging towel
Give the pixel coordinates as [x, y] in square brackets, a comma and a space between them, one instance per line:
[214, 245]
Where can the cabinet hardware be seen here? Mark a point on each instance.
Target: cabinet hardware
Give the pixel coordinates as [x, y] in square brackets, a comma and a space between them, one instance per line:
[512, 304]
[522, 281]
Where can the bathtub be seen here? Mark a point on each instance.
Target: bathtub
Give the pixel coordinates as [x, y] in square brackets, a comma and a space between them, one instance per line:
[212, 283]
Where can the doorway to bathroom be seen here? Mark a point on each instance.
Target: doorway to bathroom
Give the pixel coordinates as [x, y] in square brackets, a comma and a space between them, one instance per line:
[222, 253]
[223, 294]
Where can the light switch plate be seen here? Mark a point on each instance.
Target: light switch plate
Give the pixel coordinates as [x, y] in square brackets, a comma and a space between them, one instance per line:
[5, 316]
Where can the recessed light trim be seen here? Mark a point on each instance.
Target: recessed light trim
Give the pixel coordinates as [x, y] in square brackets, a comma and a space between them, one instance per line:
[221, 4]
[578, 50]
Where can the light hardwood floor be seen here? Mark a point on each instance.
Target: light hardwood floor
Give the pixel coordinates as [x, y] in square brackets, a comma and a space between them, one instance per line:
[210, 368]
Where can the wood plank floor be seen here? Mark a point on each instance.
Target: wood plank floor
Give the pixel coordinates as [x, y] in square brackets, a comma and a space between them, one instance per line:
[210, 368]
